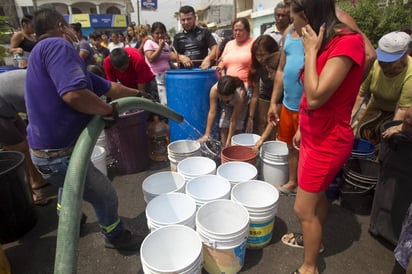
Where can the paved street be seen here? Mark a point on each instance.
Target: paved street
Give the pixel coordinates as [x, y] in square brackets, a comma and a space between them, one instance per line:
[349, 246]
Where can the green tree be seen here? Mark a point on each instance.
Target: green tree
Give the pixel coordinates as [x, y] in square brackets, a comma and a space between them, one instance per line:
[172, 31]
[6, 30]
[375, 21]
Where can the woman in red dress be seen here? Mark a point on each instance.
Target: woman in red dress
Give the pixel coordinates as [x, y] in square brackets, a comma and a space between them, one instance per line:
[332, 74]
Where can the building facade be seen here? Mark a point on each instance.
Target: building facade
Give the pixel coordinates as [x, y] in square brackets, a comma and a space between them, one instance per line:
[258, 12]
[16, 9]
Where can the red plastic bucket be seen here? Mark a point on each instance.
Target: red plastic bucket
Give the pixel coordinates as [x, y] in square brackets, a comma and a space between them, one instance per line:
[239, 153]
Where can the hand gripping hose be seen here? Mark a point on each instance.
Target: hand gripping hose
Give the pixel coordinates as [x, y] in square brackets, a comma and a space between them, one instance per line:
[69, 220]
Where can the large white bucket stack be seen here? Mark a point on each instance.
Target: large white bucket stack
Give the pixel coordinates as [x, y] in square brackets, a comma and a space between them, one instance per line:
[236, 172]
[261, 201]
[245, 139]
[169, 209]
[172, 249]
[274, 163]
[196, 166]
[99, 159]
[223, 226]
[207, 188]
[180, 150]
[162, 182]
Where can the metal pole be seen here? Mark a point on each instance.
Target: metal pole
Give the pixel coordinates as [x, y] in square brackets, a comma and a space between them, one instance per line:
[234, 9]
[138, 12]
[35, 5]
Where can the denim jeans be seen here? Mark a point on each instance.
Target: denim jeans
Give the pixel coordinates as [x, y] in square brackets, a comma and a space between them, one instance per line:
[98, 190]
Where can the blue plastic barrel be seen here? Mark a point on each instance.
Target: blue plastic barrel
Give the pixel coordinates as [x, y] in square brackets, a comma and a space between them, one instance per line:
[188, 94]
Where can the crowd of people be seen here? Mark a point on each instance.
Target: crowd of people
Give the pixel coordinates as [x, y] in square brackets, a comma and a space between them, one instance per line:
[304, 82]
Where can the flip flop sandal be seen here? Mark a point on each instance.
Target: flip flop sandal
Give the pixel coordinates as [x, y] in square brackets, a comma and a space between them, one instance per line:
[45, 190]
[295, 239]
[41, 201]
[287, 192]
[43, 194]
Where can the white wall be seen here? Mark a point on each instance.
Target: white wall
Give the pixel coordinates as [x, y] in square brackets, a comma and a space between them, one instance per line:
[264, 4]
[263, 16]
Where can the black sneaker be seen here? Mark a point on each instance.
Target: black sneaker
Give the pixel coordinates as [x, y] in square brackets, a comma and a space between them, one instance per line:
[126, 240]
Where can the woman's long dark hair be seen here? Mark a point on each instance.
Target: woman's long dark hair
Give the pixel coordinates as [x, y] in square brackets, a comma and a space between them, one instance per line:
[26, 19]
[227, 85]
[158, 25]
[319, 12]
[270, 45]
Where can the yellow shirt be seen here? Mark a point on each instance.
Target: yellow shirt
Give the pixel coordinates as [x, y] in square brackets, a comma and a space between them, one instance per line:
[387, 92]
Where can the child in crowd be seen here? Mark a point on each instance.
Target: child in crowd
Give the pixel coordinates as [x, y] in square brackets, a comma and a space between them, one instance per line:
[261, 83]
[230, 92]
[270, 63]
[158, 56]
[115, 41]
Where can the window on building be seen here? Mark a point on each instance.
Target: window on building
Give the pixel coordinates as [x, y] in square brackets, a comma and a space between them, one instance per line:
[2, 12]
[27, 10]
[113, 10]
[76, 11]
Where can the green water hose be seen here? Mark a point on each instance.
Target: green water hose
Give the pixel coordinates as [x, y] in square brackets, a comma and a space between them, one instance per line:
[71, 202]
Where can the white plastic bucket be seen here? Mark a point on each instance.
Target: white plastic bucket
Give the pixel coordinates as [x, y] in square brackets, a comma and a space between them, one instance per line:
[236, 172]
[170, 209]
[99, 159]
[196, 166]
[180, 150]
[172, 249]
[274, 163]
[207, 188]
[102, 142]
[274, 150]
[162, 182]
[223, 226]
[261, 201]
[245, 139]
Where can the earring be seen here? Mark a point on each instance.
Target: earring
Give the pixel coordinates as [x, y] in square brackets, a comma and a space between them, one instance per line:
[61, 26]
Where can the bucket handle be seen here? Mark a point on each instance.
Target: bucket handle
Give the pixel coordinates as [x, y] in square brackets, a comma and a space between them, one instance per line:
[359, 192]
[365, 189]
[359, 186]
[211, 243]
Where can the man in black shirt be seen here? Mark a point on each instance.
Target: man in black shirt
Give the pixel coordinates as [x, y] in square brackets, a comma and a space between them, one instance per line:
[195, 46]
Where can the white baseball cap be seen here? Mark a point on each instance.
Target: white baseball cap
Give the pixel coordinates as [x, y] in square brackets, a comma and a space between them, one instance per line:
[392, 46]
